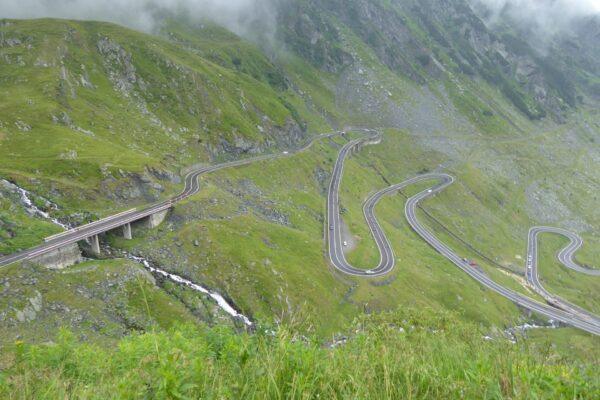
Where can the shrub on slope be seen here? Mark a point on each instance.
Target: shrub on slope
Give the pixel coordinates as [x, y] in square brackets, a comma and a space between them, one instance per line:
[406, 354]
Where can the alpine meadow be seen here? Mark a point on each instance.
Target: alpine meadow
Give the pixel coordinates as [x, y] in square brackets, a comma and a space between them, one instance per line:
[300, 199]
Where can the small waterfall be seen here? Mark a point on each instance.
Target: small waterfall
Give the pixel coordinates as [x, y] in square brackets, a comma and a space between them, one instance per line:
[33, 209]
[223, 304]
[220, 300]
[513, 331]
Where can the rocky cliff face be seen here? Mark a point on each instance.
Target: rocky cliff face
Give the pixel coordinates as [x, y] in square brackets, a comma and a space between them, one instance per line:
[102, 106]
[419, 39]
[580, 52]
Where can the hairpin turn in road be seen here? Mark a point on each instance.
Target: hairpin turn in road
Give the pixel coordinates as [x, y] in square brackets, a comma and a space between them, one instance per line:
[558, 309]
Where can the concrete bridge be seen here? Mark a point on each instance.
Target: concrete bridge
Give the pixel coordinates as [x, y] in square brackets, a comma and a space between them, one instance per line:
[62, 249]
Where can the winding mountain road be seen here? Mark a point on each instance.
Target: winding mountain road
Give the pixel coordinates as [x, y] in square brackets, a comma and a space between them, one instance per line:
[562, 311]
[192, 186]
[570, 315]
[565, 257]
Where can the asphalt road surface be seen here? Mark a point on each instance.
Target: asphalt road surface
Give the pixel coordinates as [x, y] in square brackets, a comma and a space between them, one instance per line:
[192, 186]
[565, 257]
[565, 312]
[568, 315]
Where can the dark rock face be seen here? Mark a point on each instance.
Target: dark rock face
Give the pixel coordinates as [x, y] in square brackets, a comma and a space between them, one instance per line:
[385, 32]
[165, 175]
[131, 187]
[313, 37]
[322, 177]
[288, 136]
[581, 49]
[418, 38]
[119, 64]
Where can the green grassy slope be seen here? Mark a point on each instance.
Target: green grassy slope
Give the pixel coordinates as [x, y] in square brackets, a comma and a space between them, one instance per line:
[90, 108]
[259, 237]
[96, 300]
[199, 94]
[406, 354]
[18, 230]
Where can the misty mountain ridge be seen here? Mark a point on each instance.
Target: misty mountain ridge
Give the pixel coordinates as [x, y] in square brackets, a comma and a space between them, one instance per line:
[425, 40]
[115, 106]
[542, 56]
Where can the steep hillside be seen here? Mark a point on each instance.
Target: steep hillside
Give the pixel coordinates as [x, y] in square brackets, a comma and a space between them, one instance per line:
[423, 40]
[417, 354]
[98, 118]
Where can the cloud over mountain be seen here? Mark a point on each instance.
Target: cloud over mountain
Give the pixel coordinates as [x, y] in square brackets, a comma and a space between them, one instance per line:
[544, 17]
[240, 16]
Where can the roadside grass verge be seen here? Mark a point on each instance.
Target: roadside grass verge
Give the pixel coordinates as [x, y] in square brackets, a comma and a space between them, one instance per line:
[578, 288]
[255, 233]
[402, 354]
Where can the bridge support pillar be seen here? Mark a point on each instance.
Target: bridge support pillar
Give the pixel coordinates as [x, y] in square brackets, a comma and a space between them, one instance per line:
[95, 245]
[154, 220]
[127, 231]
[60, 258]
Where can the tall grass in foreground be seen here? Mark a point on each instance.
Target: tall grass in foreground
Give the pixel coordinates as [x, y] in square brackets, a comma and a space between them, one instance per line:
[406, 354]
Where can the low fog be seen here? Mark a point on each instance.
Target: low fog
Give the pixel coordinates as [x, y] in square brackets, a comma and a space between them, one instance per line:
[249, 18]
[240, 16]
[543, 18]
